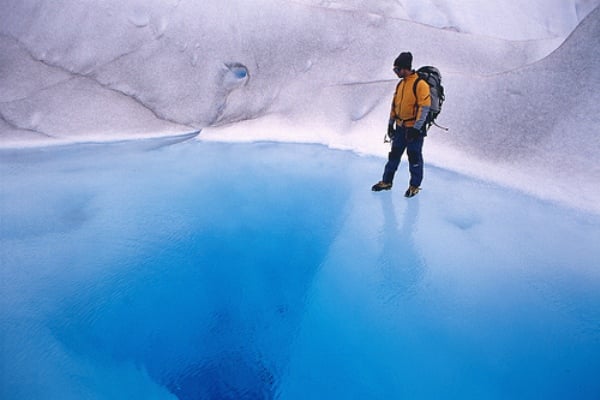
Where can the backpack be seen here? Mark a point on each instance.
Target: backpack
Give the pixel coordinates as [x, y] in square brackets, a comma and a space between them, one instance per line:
[433, 77]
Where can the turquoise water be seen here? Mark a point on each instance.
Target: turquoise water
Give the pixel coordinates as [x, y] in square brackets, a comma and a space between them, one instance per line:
[260, 271]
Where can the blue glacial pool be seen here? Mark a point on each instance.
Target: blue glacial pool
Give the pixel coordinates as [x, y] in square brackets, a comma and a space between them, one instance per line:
[267, 271]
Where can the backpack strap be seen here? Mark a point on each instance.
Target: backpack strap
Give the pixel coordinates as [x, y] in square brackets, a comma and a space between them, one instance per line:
[416, 83]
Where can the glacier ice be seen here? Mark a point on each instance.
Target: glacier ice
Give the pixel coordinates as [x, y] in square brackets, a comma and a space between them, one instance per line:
[144, 269]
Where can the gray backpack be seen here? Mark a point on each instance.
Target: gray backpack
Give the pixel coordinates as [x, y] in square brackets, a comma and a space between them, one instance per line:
[433, 77]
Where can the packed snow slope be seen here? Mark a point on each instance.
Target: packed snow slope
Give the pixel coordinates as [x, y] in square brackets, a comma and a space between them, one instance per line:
[519, 109]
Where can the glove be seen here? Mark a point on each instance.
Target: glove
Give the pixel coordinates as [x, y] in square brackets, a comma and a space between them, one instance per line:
[391, 132]
[412, 134]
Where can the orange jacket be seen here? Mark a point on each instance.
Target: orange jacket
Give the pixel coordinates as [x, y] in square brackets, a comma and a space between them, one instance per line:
[406, 108]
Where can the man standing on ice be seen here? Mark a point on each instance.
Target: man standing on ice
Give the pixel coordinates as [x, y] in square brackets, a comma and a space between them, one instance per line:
[407, 128]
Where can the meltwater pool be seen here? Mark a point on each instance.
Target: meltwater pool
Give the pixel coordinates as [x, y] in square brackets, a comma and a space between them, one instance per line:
[270, 271]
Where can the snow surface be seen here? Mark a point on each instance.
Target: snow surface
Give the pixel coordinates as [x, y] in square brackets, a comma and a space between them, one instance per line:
[239, 271]
[313, 71]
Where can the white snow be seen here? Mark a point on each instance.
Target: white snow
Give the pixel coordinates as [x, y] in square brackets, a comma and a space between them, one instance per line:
[521, 109]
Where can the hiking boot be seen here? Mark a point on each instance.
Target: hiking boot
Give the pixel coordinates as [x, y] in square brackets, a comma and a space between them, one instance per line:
[411, 191]
[381, 185]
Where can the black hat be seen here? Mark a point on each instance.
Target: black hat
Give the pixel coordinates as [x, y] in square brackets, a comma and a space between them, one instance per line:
[404, 61]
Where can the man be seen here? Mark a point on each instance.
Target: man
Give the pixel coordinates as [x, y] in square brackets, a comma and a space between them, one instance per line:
[409, 111]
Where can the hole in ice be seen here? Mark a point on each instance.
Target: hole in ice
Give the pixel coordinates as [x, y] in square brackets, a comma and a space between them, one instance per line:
[235, 75]
[240, 71]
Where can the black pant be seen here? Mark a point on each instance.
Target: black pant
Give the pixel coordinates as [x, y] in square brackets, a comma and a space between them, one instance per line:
[414, 149]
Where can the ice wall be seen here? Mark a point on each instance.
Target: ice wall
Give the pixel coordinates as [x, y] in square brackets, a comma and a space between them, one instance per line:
[75, 70]
[537, 126]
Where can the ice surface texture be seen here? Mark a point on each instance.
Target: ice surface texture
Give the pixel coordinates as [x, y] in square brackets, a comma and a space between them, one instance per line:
[77, 70]
[211, 271]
